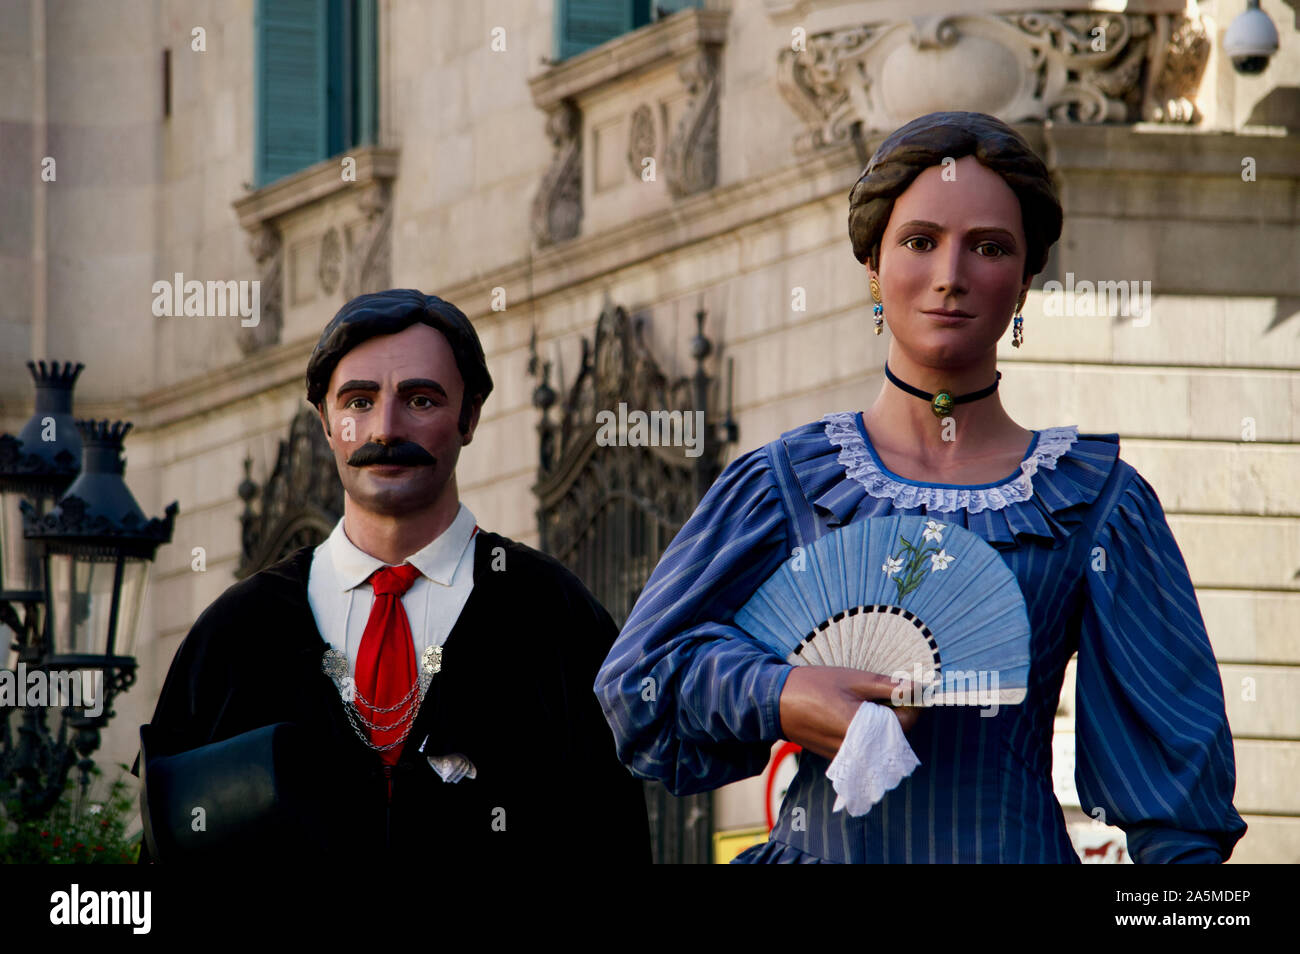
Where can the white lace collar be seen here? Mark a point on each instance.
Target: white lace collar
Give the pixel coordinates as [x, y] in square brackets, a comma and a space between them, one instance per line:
[860, 463]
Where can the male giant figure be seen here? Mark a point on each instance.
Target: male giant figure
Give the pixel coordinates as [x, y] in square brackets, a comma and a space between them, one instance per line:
[454, 702]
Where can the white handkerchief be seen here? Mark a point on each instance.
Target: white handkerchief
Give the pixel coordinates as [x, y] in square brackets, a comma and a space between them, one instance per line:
[452, 768]
[873, 758]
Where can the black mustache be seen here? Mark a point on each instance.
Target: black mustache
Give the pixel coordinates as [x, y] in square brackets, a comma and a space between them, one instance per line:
[405, 454]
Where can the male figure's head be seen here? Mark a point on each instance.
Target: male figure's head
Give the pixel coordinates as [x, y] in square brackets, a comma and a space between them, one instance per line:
[398, 378]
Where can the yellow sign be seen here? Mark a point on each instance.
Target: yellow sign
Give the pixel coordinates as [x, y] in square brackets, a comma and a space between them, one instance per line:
[728, 844]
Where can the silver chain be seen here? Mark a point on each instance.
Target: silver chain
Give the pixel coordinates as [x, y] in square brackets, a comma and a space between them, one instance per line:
[335, 665]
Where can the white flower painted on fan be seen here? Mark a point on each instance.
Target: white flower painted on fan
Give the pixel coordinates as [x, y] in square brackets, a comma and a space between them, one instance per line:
[940, 561]
[933, 531]
[892, 565]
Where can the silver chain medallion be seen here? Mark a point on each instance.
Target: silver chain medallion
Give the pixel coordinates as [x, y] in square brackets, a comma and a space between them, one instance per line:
[335, 665]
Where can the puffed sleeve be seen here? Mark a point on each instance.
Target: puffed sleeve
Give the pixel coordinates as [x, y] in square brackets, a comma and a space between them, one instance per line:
[692, 700]
[1154, 750]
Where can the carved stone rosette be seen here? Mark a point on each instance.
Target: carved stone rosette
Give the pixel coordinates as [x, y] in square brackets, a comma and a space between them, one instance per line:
[557, 207]
[268, 251]
[691, 159]
[1083, 67]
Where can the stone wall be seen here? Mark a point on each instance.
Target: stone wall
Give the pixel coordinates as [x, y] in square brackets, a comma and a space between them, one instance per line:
[140, 197]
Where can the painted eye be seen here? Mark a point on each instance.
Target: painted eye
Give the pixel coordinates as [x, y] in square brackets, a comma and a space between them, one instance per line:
[917, 238]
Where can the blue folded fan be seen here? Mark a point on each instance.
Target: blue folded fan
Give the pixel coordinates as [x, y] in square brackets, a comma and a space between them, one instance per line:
[901, 595]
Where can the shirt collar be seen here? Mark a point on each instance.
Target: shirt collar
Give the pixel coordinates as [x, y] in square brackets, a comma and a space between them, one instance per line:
[437, 560]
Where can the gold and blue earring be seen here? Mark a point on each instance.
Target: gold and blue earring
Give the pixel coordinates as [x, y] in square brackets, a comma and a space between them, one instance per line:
[879, 310]
[1018, 326]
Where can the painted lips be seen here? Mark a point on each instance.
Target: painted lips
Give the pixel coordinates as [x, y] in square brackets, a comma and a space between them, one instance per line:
[948, 319]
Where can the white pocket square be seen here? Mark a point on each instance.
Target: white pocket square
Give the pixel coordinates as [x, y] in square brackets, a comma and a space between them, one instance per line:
[452, 768]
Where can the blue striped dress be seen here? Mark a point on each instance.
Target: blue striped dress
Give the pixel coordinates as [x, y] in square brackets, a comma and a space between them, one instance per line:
[695, 703]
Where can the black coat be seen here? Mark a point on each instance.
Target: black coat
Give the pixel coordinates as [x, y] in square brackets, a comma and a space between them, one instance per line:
[514, 696]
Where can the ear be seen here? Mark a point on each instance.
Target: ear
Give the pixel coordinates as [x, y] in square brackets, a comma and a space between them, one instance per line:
[473, 421]
[324, 420]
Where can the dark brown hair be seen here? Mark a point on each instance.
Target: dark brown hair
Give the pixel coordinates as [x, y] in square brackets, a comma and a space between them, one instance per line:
[927, 141]
[387, 313]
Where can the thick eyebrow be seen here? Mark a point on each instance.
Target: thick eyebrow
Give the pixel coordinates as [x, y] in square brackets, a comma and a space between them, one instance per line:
[410, 384]
[936, 227]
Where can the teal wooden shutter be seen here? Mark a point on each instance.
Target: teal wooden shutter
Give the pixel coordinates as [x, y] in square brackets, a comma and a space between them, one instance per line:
[291, 73]
[365, 85]
[582, 24]
[338, 78]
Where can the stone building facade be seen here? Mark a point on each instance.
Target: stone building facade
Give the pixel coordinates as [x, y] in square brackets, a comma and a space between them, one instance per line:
[515, 185]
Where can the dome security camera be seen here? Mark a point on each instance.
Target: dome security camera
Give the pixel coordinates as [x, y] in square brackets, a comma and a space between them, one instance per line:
[1251, 40]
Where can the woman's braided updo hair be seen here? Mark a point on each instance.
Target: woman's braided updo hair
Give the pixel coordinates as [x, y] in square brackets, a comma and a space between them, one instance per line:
[927, 141]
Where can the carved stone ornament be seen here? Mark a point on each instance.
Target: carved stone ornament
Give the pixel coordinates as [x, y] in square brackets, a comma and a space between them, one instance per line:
[1181, 48]
[1083, 67]
[691, 159]
[557, 207]
[268, 251]
[640, 139]
[330, 267]
[370, 254]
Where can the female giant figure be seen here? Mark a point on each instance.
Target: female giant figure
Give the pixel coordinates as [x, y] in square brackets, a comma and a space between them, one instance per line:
[952, 219]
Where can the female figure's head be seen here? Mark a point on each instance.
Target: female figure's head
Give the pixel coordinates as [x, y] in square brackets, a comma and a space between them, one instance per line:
[955, 212]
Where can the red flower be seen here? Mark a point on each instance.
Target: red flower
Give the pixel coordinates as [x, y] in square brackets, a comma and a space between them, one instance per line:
[58, 840]
[45, 834]
[104, 823]
[99, 847]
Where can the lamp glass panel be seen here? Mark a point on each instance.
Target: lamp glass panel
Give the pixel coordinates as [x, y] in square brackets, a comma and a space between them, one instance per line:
[81, 593]
[20, 562]
[135, 582]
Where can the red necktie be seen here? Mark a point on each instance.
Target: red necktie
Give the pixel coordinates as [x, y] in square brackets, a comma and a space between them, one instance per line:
[385, 670]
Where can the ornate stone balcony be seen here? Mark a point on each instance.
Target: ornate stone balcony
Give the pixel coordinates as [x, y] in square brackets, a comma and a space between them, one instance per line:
[322, 234]
[634, 125]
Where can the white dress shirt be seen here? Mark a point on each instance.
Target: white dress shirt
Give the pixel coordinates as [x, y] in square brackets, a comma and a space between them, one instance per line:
[341, 599]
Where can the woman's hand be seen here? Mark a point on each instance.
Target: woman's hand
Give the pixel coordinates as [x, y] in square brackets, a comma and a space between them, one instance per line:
[819, 702]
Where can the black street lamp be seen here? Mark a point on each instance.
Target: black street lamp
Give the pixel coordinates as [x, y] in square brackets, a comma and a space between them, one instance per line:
[83, 565]
[37, 466]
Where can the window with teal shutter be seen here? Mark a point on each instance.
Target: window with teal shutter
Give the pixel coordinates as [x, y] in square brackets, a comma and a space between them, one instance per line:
[582, 24]
[316, 82]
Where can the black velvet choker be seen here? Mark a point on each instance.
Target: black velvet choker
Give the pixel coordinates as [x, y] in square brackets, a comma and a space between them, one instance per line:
[942, 402]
